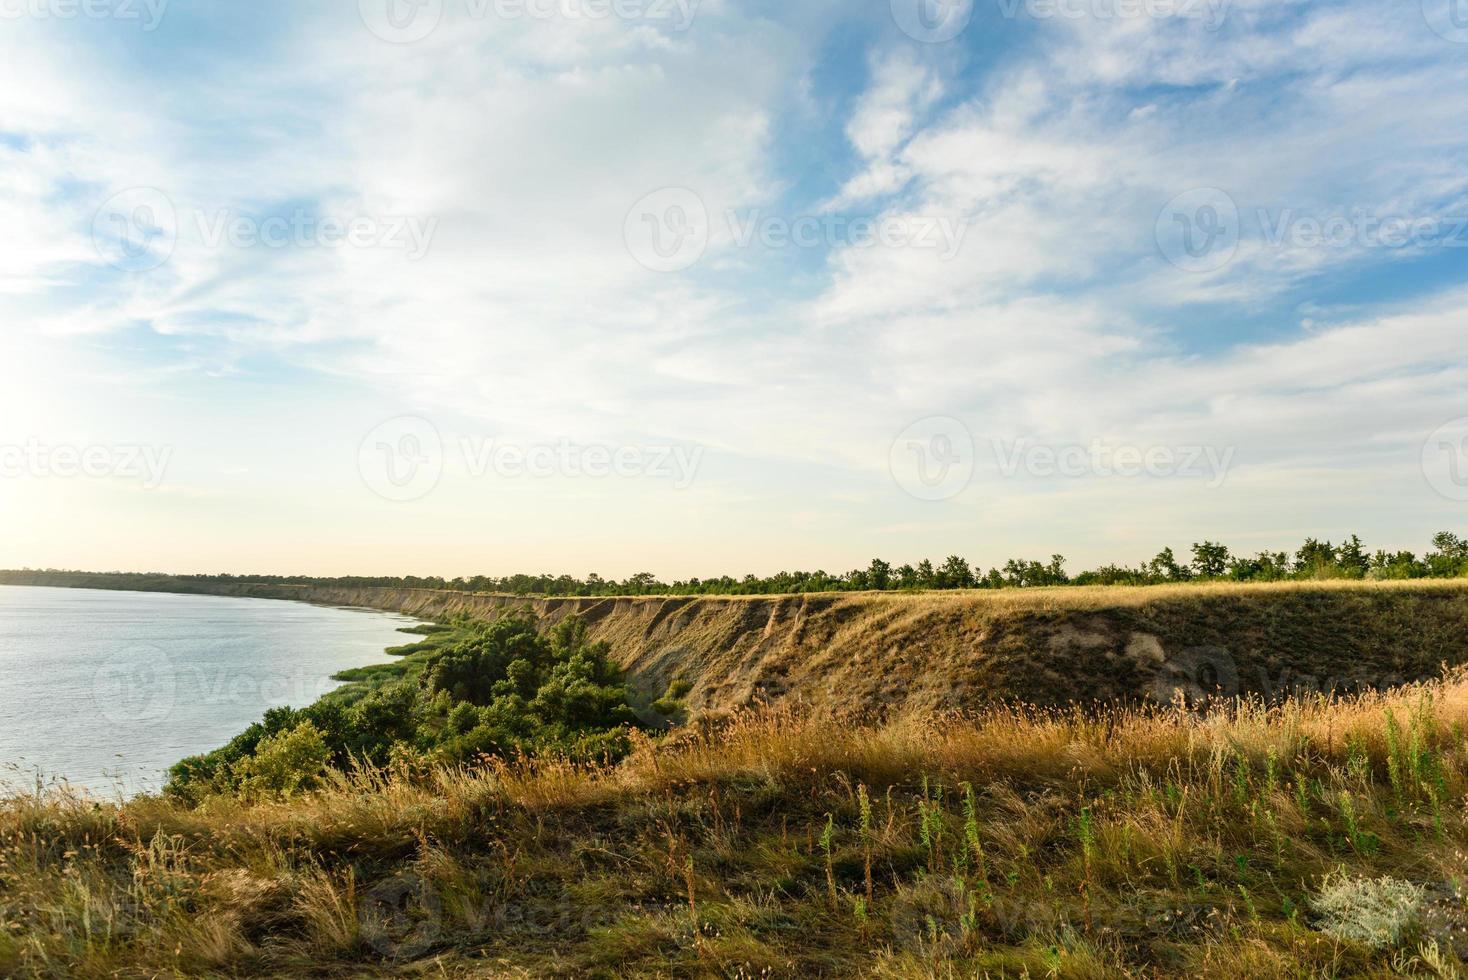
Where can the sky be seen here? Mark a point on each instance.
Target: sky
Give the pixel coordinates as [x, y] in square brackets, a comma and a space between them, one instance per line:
[458, 287]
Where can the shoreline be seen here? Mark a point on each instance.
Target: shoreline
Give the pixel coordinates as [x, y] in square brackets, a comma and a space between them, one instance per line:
[894, 653]
[127, 774]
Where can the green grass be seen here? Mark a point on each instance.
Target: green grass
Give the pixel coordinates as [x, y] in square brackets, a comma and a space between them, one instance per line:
[1254, 842]
[414, 656]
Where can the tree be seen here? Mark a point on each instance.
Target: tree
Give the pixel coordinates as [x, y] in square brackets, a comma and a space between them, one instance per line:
[1314, 558]
[643, 583]
[533, 690]
[925, 576]
[1210, 559]
[879, 575]
[955, 574]
[1352, 560]
[1055, 571]
[1164, 568]
[1449, 557]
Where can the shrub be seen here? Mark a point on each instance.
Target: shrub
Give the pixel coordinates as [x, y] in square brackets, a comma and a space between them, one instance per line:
[1374, 912]
[505, 688]
[515, 688]
[284, 764]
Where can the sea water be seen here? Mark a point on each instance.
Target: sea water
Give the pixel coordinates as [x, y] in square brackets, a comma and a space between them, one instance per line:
[106, 690]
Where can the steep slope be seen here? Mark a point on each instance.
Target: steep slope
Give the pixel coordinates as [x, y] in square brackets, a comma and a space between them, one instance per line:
[888, 651]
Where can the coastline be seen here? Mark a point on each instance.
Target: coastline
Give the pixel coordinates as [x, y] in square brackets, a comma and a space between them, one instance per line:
[135, 687]
[896, 653]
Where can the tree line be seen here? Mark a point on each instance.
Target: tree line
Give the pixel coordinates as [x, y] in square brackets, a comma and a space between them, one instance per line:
[1208, 561]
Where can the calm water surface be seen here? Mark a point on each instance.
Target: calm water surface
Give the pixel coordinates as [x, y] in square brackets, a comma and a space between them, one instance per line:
[109, 689]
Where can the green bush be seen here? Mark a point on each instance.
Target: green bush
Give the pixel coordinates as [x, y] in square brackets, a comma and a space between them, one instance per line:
[505, 688]
[285, 763]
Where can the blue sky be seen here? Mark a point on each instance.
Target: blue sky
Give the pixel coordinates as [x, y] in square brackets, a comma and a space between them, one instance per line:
[867, 273]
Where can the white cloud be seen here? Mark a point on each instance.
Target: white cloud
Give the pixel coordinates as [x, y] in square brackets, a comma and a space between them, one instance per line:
[527, 143]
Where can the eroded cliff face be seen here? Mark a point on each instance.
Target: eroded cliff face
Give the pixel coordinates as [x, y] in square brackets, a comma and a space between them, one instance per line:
[874, 652]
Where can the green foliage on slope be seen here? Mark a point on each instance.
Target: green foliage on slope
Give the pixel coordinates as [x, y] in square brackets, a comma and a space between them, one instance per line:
[480, 689]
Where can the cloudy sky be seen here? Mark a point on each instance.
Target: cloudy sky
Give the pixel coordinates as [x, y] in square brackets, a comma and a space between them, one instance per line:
[480, 286]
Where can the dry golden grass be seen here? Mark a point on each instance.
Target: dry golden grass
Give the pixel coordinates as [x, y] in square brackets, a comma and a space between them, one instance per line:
[1010, 842]
[1084, 597]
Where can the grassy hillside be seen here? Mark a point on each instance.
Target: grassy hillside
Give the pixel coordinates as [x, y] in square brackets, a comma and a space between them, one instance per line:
[939, 651]
[1311, 839]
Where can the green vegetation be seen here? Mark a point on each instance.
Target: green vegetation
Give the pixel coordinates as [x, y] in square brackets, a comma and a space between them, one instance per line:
[1315, 838]
[469, 691]
[1210, 562]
